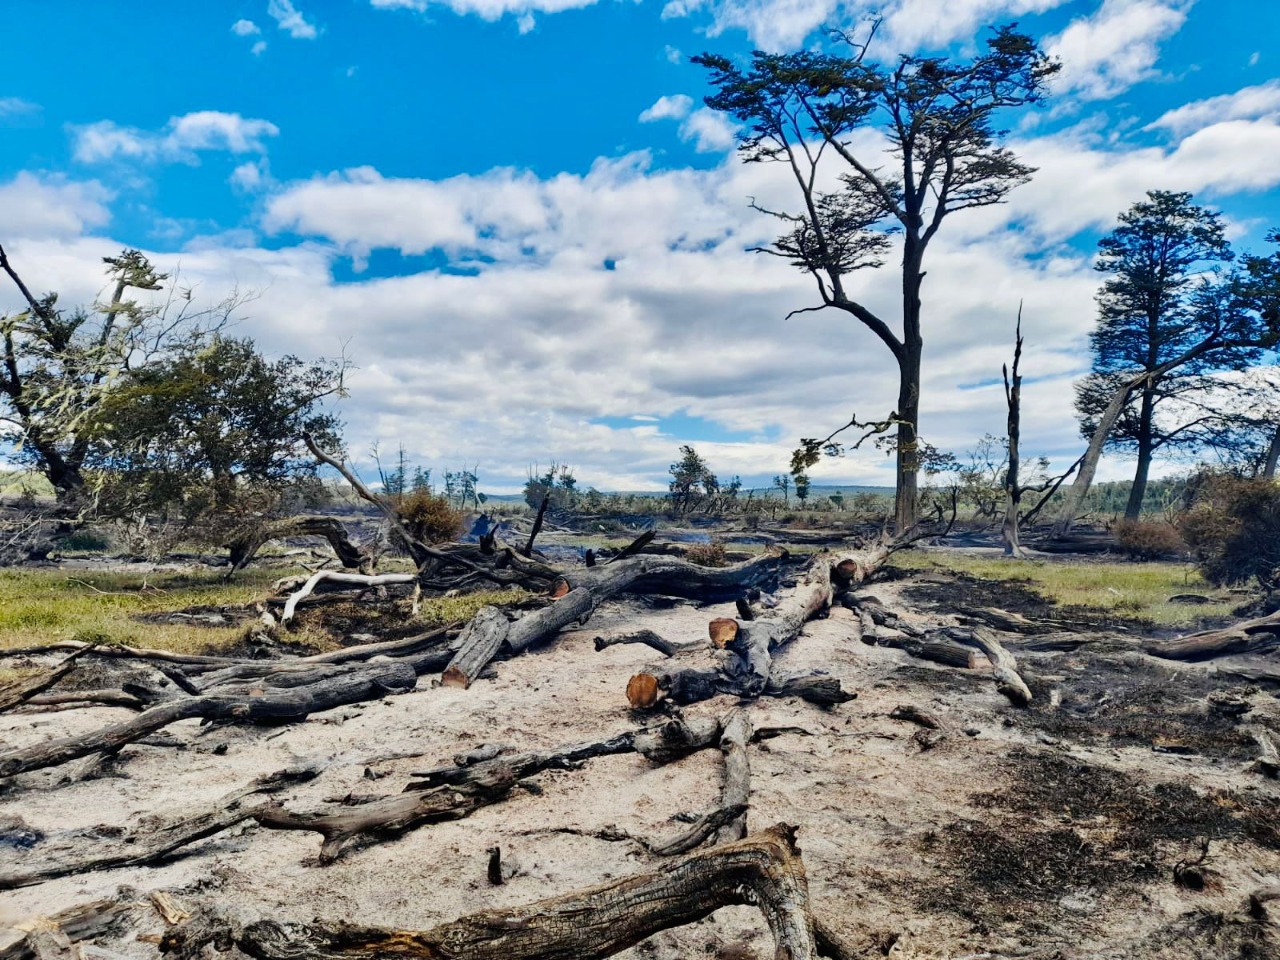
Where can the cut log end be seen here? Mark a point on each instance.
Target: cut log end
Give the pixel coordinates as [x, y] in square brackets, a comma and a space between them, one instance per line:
[560, 588]
[642, 691]
[723, 631]
[453, 677]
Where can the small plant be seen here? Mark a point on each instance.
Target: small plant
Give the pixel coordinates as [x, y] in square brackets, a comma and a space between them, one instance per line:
[707, 554]
[1148, 539]
[429, 516]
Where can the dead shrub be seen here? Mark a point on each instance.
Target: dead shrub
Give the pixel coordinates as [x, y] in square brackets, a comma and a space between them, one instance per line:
[707, 554]
[1148, 539]
[429, 516]
[1233, 528]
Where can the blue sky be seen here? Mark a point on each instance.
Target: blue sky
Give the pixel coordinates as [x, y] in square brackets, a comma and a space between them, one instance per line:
[523, 227]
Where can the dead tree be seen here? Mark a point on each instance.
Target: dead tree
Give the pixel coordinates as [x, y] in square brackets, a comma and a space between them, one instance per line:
[765, 870]
[350, 554]
[1012, 488]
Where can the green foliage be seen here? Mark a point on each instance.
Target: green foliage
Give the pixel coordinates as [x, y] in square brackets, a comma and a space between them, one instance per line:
[558, 485]
[692, 482]
[1233, 528]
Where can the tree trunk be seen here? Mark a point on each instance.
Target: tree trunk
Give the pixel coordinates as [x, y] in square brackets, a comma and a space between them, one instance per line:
[906, 496]
[1012, 487]
[597, 922]
[1146, 447]
[1089, 466]
[1273, 456]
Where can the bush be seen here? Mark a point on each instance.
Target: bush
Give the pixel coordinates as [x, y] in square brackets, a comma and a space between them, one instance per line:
[1148, 539]
[429, 516]
[1233, 528]
[707, 554]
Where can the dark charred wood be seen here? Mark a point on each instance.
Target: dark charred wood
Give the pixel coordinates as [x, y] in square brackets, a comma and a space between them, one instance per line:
[1251, 636]
[21, 691]
[597, 922]
[646, 637]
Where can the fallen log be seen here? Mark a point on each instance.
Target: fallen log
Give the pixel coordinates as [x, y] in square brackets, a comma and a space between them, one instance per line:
[1250, 636]
[693, 685]
[151, 841]
[479, 643]
[1268, 762]
[21, 691]
[914, 714]
[597, 922]
[1005, 667]
[735, 791]
[361, 682]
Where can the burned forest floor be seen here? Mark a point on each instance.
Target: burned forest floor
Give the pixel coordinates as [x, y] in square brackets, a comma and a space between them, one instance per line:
[1122, 813]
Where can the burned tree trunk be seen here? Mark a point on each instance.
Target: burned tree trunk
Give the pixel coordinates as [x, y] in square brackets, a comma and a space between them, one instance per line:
[1250, 636]
[597, 922]
[349, 554]
[1012, 489]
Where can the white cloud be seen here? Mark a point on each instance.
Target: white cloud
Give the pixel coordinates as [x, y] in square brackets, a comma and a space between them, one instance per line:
[525, 22]
[251, 176]
[672, 107]
[38, 207]
[673, 55]
[245, 28]
[181, 139]
[290, 19]
[259, 48]
[1254, 58]
[16, 106]
[710, 130]
[1249, 103]
[488, 9]
[1106, 53]
[505, 367]
[907, 25]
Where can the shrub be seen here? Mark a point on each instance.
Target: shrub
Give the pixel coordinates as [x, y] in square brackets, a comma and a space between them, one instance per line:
[1148, 539]
[429, 516]
[1233, 528]
[707, 554]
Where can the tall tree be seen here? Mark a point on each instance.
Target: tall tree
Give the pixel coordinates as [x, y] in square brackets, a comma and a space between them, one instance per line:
[1240, 313]
[1158, 300]
[810, 110]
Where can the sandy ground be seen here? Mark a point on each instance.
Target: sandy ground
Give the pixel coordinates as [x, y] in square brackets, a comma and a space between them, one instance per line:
[877, 813]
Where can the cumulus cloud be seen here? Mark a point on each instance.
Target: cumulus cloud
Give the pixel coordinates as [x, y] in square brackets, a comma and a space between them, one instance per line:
[290, 19]
[1249, 103]
[181, 139]
[672, 107]
[564, 319]
[259, 48]
[1107, 52]
[245, 28]
[709, 130]
[41, 207]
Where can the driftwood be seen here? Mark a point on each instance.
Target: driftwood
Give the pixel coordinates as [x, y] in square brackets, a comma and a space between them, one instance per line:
[359, 682]
[599, 921]
[85, 921]
[150, 842]
[1250, 636]
[11, 695]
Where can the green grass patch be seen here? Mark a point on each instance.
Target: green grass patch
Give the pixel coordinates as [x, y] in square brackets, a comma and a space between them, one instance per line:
[1137, 590]
[47, 605]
